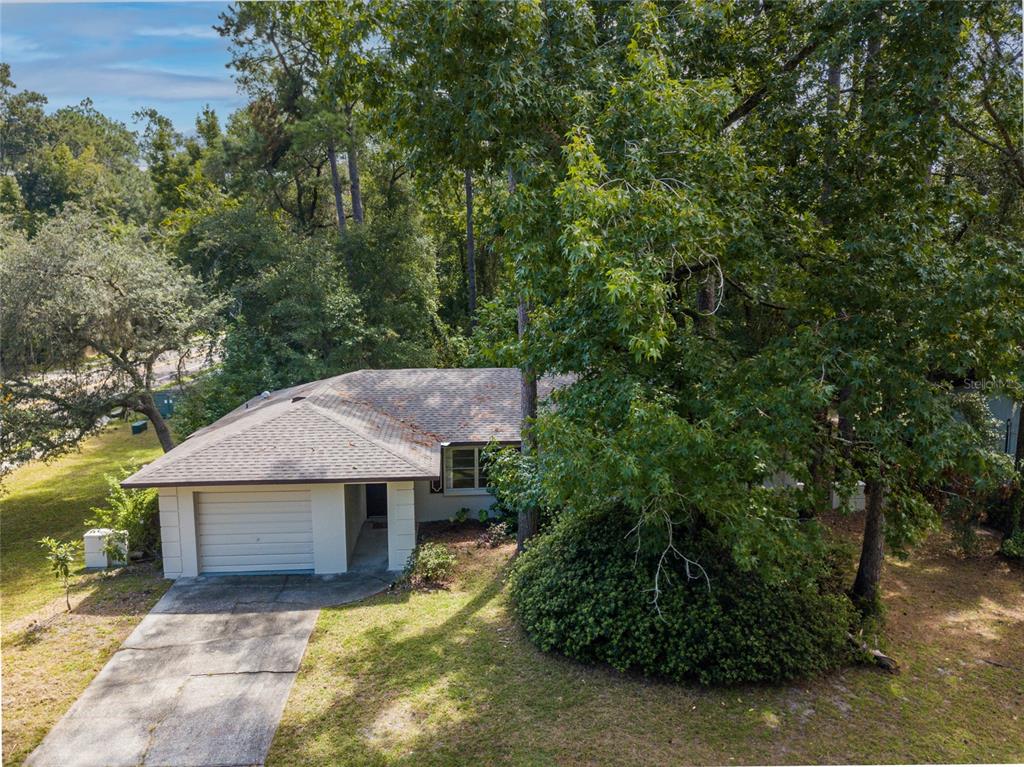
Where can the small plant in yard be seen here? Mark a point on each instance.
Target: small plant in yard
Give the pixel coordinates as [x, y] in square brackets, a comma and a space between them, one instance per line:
[495, 535]
[430, 564]
[1013, 545]
[61, 555]
[460, 516]
[134, 512]
[483, 515]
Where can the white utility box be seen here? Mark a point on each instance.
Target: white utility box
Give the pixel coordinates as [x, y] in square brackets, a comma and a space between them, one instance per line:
[855, 502]
[96, 555]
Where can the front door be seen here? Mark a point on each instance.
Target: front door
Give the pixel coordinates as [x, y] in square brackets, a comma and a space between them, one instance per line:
[377, 500]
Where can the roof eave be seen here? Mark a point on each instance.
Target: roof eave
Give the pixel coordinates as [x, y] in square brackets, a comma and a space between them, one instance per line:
[130, 484]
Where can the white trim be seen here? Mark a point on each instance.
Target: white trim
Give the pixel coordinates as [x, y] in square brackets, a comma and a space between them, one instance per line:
[448, 472]
[330, 547]
[401, 524]
[187, 530]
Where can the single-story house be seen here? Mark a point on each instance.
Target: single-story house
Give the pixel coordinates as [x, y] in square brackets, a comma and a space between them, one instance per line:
[332, 475]
[1008, 413]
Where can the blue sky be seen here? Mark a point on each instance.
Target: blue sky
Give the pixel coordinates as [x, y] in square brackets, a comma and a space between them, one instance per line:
[124, 56]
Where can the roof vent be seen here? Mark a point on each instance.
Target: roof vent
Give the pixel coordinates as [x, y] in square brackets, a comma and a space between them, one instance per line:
[265, 395]
[299, 398]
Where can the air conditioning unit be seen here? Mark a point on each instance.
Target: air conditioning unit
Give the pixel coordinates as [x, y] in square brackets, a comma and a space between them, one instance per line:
[97, 554]
[855, 502]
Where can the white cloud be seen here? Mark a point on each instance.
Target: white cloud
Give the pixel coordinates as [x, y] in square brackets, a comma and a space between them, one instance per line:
[146, 83]
[198, 31]
[17, 48]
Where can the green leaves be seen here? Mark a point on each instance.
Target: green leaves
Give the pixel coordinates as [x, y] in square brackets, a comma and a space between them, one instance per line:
[85, 284]
[62, 556]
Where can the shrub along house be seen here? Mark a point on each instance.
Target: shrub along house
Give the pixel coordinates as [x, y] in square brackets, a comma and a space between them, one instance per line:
[332, 475]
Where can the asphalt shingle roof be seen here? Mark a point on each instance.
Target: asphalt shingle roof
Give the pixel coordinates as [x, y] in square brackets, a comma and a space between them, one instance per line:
[370, 425]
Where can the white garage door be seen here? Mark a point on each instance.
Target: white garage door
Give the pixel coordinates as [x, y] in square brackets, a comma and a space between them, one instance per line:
[254, 531]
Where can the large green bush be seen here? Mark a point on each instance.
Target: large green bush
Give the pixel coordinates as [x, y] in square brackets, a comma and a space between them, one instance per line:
[584, 591]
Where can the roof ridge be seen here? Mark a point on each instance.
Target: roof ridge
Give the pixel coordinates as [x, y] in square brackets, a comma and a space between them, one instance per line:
[369, 405]
[245, 424]
[361, 432]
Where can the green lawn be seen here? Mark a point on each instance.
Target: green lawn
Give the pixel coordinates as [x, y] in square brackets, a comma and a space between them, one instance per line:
[445, 677]
[54, 499]
[50, 656]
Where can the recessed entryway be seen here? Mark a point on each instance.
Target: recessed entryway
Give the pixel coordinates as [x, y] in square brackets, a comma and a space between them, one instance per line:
[377, 500]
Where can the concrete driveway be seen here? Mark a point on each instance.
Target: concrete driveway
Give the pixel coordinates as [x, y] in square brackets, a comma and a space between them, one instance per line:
[204, 677]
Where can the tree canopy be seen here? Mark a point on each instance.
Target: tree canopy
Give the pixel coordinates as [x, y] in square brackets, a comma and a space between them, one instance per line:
[774, 246]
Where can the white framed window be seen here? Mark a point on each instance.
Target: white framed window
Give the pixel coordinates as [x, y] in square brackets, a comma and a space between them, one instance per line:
[465, 472]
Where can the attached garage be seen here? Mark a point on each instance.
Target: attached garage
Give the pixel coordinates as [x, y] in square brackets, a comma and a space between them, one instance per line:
[254, 530]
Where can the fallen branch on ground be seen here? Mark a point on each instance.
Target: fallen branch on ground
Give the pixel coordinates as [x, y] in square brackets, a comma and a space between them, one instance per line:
[878, 657]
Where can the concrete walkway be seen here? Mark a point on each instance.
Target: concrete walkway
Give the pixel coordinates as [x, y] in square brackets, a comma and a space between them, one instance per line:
[204, 677]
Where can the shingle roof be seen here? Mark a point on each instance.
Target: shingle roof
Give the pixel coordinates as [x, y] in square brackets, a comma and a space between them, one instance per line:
[370, 425]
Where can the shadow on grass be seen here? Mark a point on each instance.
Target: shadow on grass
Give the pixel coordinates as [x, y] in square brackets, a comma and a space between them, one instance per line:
[971, 607]
[127, 591]
[398, 681]
[383, 682]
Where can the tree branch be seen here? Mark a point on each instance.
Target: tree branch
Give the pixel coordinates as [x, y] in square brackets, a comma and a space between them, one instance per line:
[755, 299]
[1012, 156]
[751, 102]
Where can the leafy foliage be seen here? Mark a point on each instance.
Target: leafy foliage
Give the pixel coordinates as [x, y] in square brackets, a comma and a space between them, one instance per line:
[430, 564]
[776, 285]
[62, 556]
[1013, 545]
[88, 309]
[584, 590]
[133, 511]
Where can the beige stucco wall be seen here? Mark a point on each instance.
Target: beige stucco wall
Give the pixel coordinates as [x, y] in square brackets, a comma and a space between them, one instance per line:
[355, 514]
[431, 507]
[170, 531]
[330, 550]
[401, 523]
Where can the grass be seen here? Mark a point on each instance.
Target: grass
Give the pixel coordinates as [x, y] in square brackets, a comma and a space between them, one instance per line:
[50, 656]
[54, 499]
[445, 677]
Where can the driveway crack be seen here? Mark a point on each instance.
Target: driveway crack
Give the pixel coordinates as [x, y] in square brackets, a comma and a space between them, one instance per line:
[156, 726]
[242, 673]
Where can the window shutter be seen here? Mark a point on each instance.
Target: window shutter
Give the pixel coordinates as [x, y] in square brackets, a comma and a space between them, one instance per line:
[447, 468]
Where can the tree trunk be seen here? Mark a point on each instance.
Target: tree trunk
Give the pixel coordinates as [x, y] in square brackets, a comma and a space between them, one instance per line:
[148, 408]
[470, 247]
[1018, 452]
[339, 205]
[353, 169]
[706, 300]
[528, 518]
[869, 571]
[832, 84]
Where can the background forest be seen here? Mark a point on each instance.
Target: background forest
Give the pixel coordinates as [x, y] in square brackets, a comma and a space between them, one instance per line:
[768, 241]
